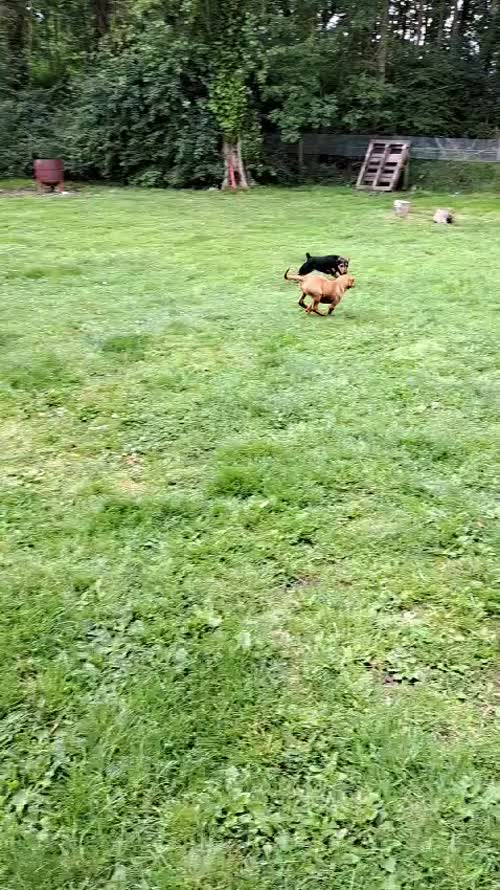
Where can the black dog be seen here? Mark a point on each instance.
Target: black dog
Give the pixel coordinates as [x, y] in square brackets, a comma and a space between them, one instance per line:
[330, 265]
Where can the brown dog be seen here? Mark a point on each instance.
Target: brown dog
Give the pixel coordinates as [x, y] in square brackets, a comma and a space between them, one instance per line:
[321, 290]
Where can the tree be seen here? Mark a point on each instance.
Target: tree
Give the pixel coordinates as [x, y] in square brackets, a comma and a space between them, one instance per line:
[228, 35]
[294, 84]
[181, 92]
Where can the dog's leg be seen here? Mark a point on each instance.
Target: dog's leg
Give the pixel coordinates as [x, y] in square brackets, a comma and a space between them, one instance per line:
[331, 309]
[302, 301]
[313, 307]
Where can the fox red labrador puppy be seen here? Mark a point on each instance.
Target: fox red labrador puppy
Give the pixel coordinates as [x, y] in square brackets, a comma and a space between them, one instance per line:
[321, 290]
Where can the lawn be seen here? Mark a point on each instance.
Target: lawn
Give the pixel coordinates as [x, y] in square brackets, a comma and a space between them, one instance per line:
[249, 614]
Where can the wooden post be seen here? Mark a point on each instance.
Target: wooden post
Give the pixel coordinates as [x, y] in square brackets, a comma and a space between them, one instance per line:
[300, 154]
[406, 175]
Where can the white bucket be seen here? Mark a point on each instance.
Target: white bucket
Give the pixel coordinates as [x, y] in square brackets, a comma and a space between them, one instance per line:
[402, 208]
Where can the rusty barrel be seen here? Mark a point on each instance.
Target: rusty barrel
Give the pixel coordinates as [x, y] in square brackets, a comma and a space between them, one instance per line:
[49, 171]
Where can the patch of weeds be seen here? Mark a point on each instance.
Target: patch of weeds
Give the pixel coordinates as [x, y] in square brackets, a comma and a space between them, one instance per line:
[491, 600]
[262, 469]
[54, 273]
[457, 539]
[241, 482]
[266, 824]
[245, 452]
[279, 485]
[128, 346]
[42, 371]
[171, 381]
[122, 514]
[8, 339]
[431, 450]
[36, 273]
[177, 327]
[273, 353]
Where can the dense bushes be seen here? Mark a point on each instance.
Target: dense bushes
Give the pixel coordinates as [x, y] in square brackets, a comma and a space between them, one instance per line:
[31, 125]
[138, 114]
[127, 93]
[141, 116]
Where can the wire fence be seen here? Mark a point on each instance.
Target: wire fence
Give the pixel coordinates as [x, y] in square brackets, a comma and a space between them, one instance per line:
[322, 146]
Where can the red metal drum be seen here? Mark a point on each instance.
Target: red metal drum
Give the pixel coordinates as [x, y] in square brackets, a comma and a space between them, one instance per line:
[49, 171]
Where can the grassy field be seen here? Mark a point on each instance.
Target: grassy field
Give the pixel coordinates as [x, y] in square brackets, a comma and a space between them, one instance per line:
[249, 615]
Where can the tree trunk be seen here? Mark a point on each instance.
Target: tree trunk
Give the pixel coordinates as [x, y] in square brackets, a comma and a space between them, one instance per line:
[420, 23]
[490, 37]
[464, 18]
[384, 40]
[441, 21]
[455, 23]
[300, 155]
[102, 16]
[402, 17]
[234, 169]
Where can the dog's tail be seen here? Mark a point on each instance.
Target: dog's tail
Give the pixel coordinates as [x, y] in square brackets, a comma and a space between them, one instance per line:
[288, 277]
[308, 256]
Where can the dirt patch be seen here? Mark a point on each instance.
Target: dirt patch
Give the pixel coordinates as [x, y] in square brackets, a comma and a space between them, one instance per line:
[394, 675]
[301, 582]
[491, 706]
[34, 193]
[131, 486]
[16, 193]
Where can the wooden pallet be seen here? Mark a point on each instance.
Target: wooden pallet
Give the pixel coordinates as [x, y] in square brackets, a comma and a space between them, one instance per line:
[384, 164]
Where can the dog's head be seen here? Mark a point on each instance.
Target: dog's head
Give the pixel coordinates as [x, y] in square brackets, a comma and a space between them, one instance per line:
[342, 265]
[351, 281]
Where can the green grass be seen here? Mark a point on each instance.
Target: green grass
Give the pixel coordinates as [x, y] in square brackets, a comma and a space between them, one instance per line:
[13, 185]
[453, 176]
[249, 614]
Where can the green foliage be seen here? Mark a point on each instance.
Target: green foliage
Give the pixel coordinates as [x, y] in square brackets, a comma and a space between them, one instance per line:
[368, 104]
[229, 101]
[249, 559]
[453, 176]
[139, 117]
[293, 83]
[145, 91]
[31, 126]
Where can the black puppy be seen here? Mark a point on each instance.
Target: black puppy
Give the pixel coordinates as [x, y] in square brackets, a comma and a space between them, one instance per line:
[330, 265]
